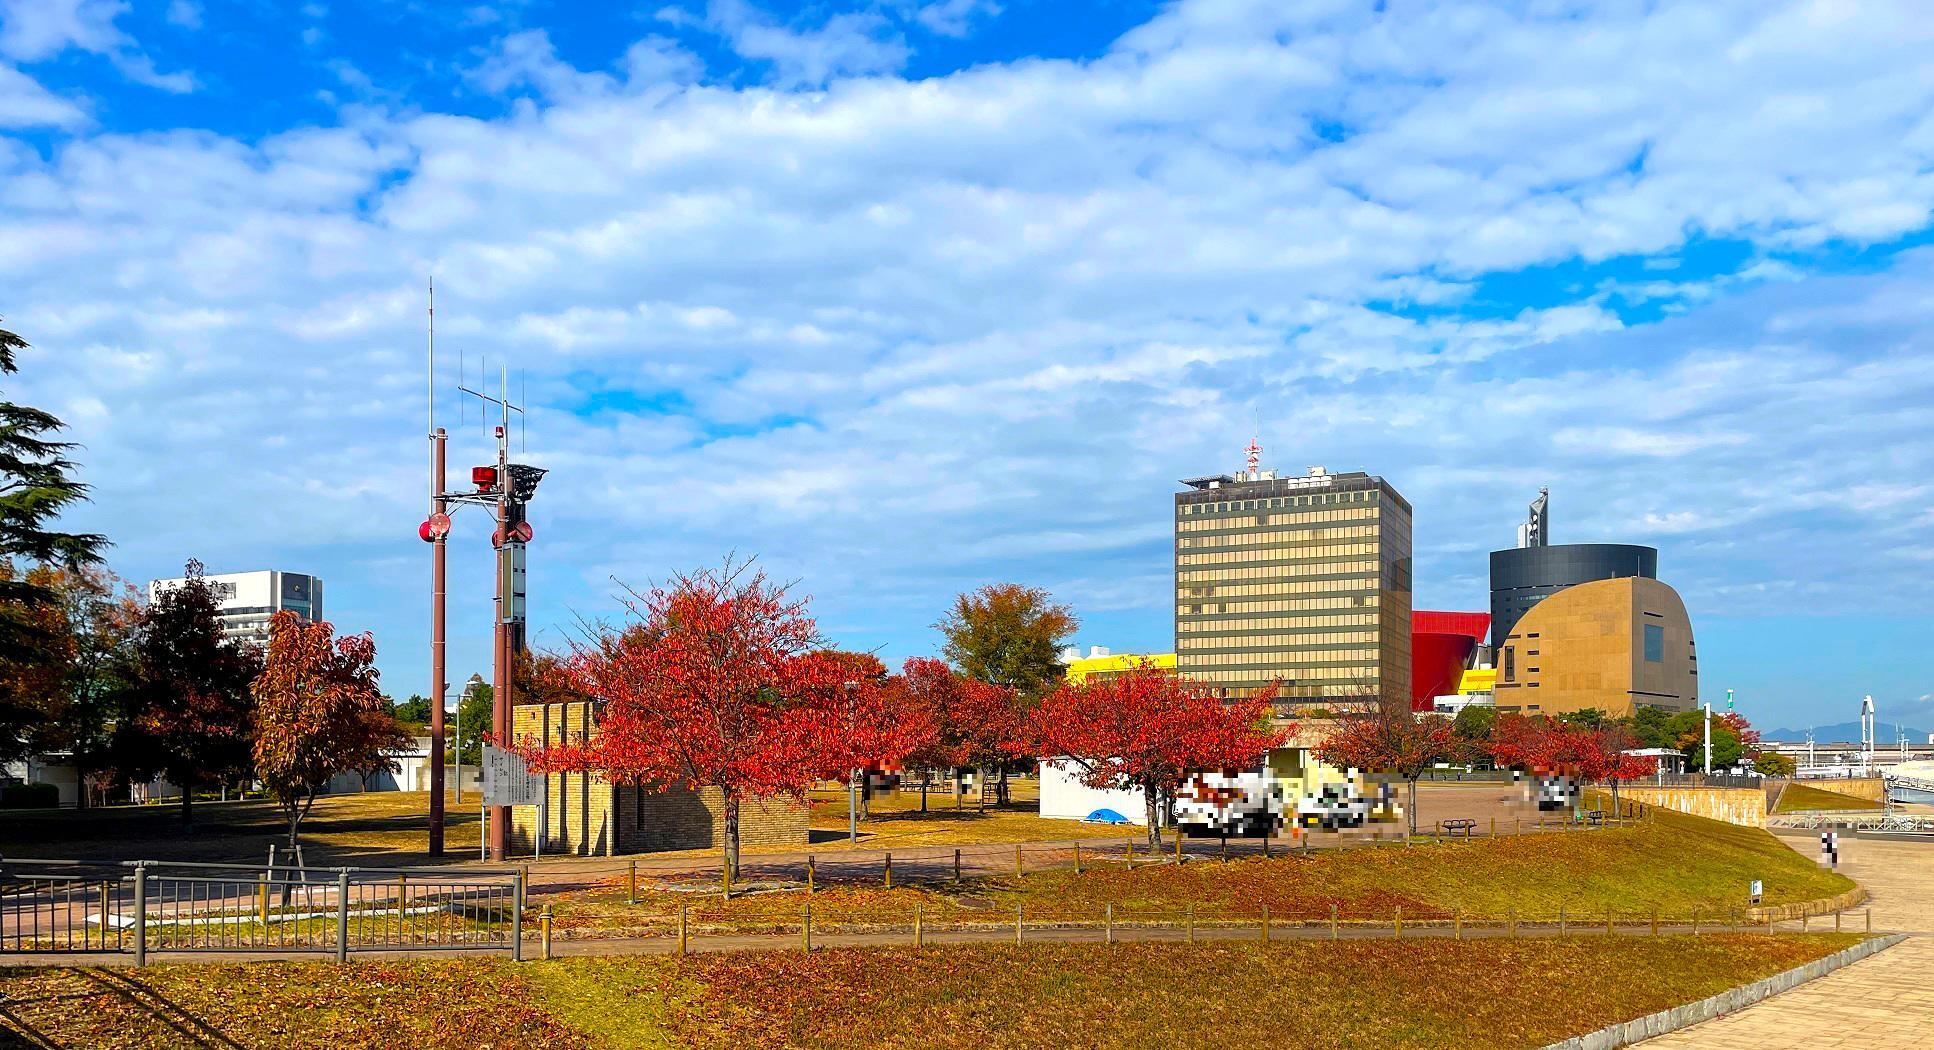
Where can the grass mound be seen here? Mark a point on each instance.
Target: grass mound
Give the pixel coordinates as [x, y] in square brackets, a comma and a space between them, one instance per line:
[1801, 798]
[1672, 862]
[1308, 994]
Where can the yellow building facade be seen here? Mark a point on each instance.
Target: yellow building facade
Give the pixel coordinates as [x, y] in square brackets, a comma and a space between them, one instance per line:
[1614, 645]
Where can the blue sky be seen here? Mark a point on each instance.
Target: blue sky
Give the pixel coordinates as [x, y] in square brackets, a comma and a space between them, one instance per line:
[908, 296]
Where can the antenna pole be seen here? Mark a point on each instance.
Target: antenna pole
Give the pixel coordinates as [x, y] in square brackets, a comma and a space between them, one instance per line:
[505, 643]
[439, 557]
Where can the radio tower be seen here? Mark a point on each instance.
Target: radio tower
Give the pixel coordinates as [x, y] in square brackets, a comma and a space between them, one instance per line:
[1254, 454]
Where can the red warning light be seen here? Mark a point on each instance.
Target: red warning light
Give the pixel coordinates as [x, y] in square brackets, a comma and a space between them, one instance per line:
[485, 478]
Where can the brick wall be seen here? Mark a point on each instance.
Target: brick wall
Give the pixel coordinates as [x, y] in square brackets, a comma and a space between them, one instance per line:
[588, 815]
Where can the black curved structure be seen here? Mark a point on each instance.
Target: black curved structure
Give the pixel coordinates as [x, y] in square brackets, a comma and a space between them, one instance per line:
[1521, 577]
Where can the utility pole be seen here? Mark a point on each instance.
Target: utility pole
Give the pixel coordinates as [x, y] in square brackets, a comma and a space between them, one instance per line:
[1708, 749]
[436, 530]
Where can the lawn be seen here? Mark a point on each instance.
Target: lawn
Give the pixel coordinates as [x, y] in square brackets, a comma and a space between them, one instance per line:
[375, 828]
[1309, 994]
[1678, 864]
[1800, 798]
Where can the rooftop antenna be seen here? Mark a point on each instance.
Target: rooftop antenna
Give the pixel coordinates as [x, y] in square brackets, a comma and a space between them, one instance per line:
[1254, 456]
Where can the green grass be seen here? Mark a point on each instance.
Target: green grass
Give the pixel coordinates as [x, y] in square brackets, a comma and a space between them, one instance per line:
[1315, 994]
[1800, 798]
[1675, 863]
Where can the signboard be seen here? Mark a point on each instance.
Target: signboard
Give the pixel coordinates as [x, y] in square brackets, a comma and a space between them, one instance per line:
[507, 781]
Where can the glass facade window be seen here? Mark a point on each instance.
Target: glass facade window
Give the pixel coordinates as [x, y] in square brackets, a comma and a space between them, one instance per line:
[1654, 644]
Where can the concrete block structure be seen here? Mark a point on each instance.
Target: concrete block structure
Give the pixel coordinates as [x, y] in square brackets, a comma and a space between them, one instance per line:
[587, 815]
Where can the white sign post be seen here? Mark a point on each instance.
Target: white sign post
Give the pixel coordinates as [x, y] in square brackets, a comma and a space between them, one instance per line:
[507, 781]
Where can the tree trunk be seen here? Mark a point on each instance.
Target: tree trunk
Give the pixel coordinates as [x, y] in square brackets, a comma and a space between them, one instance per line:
[925, 779]
[1150, 793]
[187, 808]
[1413, 805]
[980, 797]
[1003, 794]
[730, 872]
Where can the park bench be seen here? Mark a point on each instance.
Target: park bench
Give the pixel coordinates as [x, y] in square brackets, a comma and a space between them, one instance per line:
[1595, 817]
[1454, 825]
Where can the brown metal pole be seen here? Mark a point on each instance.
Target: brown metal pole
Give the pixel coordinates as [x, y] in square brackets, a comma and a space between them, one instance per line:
[439, 686]
[500, 662]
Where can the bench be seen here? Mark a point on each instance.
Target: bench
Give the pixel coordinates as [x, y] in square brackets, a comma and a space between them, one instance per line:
[1595, 817]
[1456, 824]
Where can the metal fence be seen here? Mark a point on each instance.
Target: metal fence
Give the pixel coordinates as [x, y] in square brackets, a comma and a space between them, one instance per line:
[141, 906]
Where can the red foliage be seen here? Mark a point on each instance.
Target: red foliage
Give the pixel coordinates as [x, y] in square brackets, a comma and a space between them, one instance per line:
[975, 723]
[718, 682]
[866, 720]
[1148, 728]
[1546, 748]
[1748, 736]
[318, 713]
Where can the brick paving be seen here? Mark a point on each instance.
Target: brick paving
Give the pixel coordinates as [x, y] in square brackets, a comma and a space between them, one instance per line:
[1886, 1001]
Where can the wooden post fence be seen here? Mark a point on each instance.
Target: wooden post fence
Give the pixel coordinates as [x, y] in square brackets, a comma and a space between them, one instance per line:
[1108, 917]
[631, 884]
[684, 931]
[806, 929]
[1332, 922]
[1265, 920]
[809, 874]
[889, 871]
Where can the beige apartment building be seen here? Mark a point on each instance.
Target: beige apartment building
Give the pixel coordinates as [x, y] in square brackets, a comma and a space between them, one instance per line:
[1304, 582]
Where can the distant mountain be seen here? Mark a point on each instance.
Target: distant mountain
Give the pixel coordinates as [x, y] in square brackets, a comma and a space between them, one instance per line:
[1840, 732]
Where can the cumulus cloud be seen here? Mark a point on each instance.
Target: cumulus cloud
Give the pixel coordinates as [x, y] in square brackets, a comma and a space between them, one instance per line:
[37, 30]
[900, 336]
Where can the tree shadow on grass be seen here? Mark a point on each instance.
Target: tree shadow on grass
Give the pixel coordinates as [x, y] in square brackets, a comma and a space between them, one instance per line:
[159, 1009]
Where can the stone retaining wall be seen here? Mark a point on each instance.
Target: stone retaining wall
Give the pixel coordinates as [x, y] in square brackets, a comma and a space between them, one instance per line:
[1725, 1002]
[1824, 906]
[1743, 806]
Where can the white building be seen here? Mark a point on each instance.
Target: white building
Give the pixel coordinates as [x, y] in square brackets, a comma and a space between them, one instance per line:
[248, 599]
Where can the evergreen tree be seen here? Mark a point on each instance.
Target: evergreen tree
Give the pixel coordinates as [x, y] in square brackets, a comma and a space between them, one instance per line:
[36, 483]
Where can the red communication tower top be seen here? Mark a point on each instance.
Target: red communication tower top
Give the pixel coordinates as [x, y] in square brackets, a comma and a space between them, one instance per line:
[1254, 452]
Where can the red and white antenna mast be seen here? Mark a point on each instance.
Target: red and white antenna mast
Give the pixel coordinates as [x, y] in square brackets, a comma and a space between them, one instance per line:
[1254, 452]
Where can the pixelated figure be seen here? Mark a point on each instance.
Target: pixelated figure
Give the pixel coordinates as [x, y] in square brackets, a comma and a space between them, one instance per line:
[1829, 849]
[1550, 792]
[1288, 792]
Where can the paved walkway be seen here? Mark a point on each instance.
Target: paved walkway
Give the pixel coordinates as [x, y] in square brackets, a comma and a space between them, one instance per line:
[1881, 1003]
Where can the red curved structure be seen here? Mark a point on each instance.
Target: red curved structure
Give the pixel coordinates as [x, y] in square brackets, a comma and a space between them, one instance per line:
[1441, 644]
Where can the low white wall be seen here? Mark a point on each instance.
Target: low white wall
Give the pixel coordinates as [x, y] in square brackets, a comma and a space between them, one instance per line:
[1063, 795]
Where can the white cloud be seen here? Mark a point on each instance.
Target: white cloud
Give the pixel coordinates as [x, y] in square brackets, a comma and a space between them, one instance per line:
[955, 18]
[37, 30]
[25, 104]
[894, 335]
[848, 44]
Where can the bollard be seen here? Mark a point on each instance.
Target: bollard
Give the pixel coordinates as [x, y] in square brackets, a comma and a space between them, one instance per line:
[342, 920]
[1397, 932]
[1265, 923]
[1017, 924]
[1265, 847]
[1077, 858]
[1019, 872]
[141, 914]
[956, 867]
[809, 873]
[544, 930]
[1191, 923]
[919, 933]
[684, 931]
[631, 884]
[889, 871]
[1332, 922]
[1108, 917]
[806, 929]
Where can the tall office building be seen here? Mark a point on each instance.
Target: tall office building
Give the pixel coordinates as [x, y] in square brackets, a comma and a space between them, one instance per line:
[1299, 580]
[248, 599]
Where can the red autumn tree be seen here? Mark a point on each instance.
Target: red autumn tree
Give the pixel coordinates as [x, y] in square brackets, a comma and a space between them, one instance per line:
[975, 724]
[1601, 757]
[1387, 737]
[1147, 728]
[712, 684]
[318, 713]
[865, 720]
